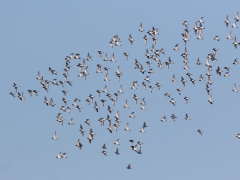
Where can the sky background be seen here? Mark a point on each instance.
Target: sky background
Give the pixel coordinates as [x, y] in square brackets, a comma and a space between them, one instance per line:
[36, 35]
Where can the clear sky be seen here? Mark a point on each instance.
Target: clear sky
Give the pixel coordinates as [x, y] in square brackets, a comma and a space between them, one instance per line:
[36, 35]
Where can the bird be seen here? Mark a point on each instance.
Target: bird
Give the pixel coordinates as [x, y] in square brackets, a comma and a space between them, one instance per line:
[186, 99]
[104, 146]
[174, 79]
[105, 57]
[173, 102]
[234, 25]
[132, 115]
[237, 17]
[200, 131]
[227, 21]
[82, 130]
[116, 142]
[126, 105]
[234, 88]
[210, 99]
[179, 90]
[164, 119]
[109, 127]
[235, 43]
[230, 36]
[235, 61]
[79, 145]
[186, 117]
[238, 135]
[126, 55]
[173, 117]
[12, 93]
[140, 28]
[129, 166]
[216, 38]
[117, 152]
[54, 137]
[142, 130]
[130, 39]
[104, 152]
[59, 155]
[87, 121]
[70, 122]
[127, 128]
[176, 48]
[96, 106]
[100, 53]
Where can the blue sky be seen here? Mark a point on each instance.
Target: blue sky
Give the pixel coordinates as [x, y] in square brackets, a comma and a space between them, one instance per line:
[38, 35]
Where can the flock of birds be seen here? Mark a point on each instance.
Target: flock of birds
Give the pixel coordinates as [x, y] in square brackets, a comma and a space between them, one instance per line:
[113, 98]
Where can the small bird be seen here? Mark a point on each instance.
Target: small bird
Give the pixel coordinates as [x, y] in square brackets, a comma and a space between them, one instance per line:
[104, 152]
[235, 61]
[164, 119]
[210, 99]
[105, 57]
[51, 102]
[238, 135]
[174, 79]
[179, 90]
[59, 155]
[134, 148]
[71, 122]
[82, 130]
[126, 55]
[64, 155]
[226, 74]
[127, 128]
[142, 130]
[30, 92]
[227, 21]
[168, 95]
[79, 145]
[237, 17]
[130, 39]
[87, 121]
[200, 131]
[100, 53]
[201, 78]
[116, 142]
[186, 117]
[176, 48]
[140, 28]
[230, 36]
[12, 93]
[234, 88]
[186, 99]
[173, 117]
[126, 105]
[132, 115]
[216, 38]
[129, 166]
[104, 146]
[117, 152]
[110, 127]
[96, 106]
[234, 25]
[54, 137]
[198, 62]
[173, 102]
[45, 101]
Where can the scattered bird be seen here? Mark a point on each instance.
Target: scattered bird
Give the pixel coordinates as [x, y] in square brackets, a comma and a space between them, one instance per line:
[54, 137]
[200, 131]
[129, 166]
